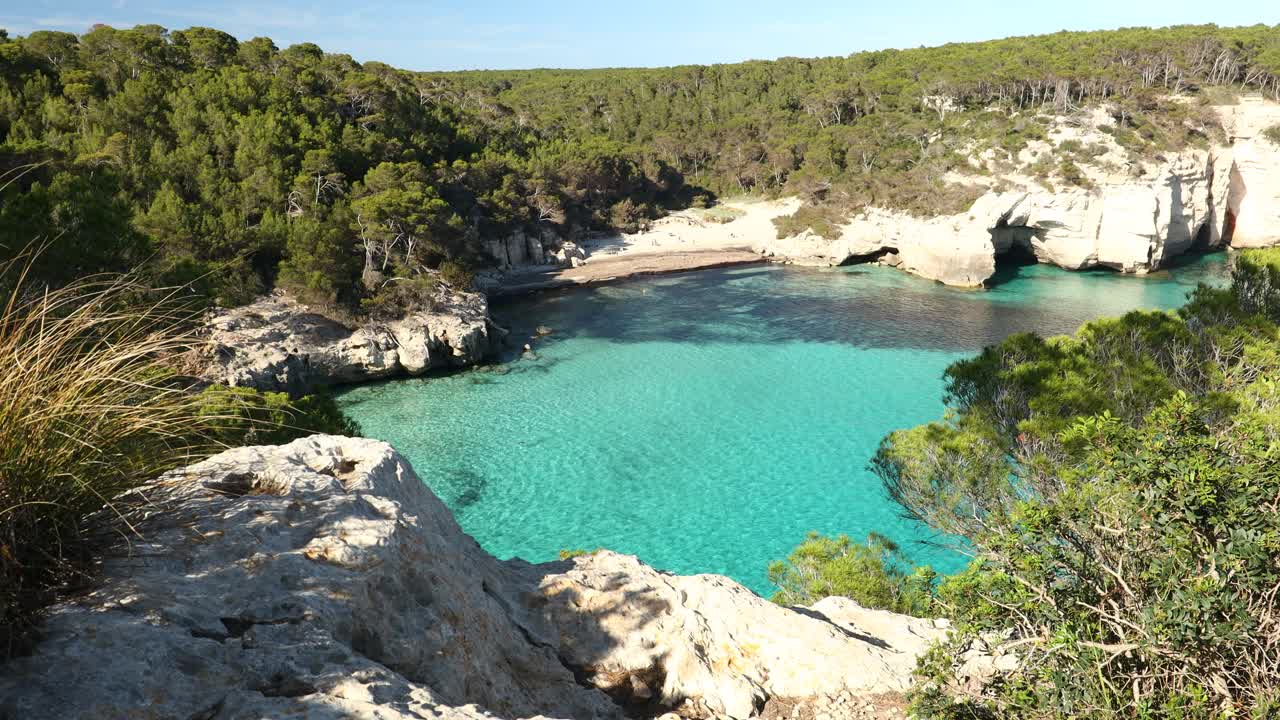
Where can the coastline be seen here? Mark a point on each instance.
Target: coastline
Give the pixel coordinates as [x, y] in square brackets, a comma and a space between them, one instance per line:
[687, 240]
[623, 267]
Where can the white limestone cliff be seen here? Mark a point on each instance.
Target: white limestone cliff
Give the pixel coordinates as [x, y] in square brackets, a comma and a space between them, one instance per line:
[323, 579]
[1131, 216]
[1253, 200]
[278, 344]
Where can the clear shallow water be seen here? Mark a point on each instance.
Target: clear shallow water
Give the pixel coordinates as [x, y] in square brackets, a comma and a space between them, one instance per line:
[706, 421]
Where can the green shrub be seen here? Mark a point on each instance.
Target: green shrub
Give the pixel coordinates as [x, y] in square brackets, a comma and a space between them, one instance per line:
[570, 553]
[875, 575]
[1273, 134]
[1070, 147]
[1072, 174]
[719, 215]
[1042, 167]
[244, 416]
[455, 275]
[1119, 488]
[1152, 567]
[629, 216]
[823, 220]
[403, 294]
[1256, 280]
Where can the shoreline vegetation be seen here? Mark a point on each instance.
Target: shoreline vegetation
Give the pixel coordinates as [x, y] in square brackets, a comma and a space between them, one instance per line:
[692, 239]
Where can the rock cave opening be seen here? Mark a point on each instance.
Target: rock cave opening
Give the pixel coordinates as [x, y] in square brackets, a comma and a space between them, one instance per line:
[1013, 250]
[885, 256]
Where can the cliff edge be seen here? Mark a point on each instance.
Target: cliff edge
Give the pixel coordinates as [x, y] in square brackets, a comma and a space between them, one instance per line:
[324, 579]
[1123, 212]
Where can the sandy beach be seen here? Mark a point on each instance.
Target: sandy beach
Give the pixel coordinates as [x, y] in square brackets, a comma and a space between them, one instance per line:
[621, 267]
[687, 240]
[693, 230]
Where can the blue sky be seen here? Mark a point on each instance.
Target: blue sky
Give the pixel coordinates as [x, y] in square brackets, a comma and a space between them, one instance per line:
[450, 35]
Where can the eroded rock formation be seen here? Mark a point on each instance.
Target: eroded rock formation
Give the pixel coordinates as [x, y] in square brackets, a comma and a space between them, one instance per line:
[1252, 215]
[276, 343]
[323, 579]
[1129, 224]
[521, 249]
[1129, 216]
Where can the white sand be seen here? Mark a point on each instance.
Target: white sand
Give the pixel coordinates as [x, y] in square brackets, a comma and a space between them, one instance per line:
[685, 232]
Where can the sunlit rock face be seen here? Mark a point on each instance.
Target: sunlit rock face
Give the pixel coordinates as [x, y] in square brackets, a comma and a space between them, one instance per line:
[1253, 198]
[1129, 216]
[324, 579]
[278, 344]
[1128, 224]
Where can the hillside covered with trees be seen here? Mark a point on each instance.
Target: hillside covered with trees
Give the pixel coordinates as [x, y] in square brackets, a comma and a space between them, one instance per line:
[236, 166]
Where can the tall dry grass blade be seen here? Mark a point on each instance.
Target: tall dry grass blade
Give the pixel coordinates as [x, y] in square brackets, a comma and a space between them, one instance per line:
[90, 407]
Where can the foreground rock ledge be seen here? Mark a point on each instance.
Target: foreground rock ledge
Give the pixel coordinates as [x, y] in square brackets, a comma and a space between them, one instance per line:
[323, 579]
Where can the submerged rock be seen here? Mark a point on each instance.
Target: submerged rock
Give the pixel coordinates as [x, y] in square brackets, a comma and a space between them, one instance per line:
[276, 343]
[324, 579]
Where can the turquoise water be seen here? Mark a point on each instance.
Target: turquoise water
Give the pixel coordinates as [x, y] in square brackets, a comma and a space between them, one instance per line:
[707, 421]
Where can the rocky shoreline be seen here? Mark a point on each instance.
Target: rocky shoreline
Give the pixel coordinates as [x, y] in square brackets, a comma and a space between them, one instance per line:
[1130, 216]
[279, 344]
[324, 579]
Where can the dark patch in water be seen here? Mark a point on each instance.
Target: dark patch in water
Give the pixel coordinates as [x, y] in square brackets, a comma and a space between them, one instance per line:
[469, 487]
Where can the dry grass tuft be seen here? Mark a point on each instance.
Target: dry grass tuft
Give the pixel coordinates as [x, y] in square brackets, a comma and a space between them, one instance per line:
[89, 408]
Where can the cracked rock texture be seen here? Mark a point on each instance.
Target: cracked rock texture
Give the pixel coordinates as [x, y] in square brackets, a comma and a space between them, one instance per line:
[323, 579]
[278, 344]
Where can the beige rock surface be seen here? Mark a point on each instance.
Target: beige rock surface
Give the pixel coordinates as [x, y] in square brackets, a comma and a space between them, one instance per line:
[276, 343]
[323, 579]
[1254, 196]
[1131, 214]
[1129, 224]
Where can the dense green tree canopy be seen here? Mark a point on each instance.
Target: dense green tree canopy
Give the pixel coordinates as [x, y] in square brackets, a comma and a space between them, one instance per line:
[236, 165]
[1121, 490]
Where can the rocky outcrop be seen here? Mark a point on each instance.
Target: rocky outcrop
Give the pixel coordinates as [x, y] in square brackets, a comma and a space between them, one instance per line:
[1125, 223]
[323, 579]
[545, 249]
[1253, 199]
[1129, 216]
[276, 343]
